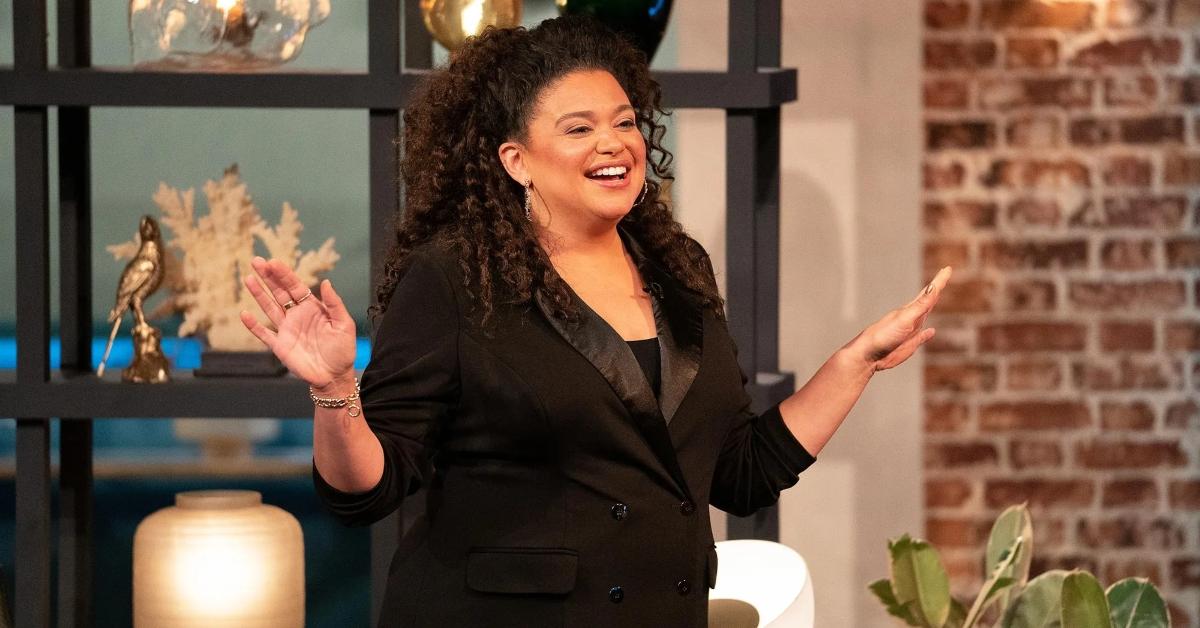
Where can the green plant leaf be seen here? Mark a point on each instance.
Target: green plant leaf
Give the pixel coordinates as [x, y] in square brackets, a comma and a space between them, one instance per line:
[1135, 603]
[1039, 604]
[883, 590]
[918, 576]
[1014, 522]
[958, 614]
[998, 582]
[1083, 602]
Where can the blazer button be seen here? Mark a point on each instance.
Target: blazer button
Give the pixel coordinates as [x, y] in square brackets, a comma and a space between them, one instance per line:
[687, 508]
[619, 511]
[683, 586]
[616, 594]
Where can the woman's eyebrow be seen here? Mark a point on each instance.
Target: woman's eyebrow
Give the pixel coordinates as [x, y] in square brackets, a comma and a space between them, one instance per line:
[590, 115]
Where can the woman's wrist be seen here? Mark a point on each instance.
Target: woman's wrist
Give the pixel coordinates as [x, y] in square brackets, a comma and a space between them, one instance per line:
[341, 386]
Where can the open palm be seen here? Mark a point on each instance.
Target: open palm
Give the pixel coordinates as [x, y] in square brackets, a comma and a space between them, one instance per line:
[892, 339]
[315, 338]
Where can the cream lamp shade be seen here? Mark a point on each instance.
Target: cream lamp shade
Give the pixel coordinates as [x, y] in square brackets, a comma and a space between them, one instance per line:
[218, 559]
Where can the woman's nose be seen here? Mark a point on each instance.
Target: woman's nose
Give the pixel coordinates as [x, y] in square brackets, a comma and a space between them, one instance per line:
[607, 142]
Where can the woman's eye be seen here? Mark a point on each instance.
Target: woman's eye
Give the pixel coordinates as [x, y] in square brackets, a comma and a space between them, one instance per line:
[578, 129]
[626, 124]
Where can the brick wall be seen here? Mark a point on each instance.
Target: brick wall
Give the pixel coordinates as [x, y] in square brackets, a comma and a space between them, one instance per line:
[1062, 181]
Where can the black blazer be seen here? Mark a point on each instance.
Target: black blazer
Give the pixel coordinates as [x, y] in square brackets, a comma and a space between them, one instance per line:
[560, 491]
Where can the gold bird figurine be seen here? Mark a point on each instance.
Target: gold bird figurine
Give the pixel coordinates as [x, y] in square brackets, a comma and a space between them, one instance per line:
[141, 277]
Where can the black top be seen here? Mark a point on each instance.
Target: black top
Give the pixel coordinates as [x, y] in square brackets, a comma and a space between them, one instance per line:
[646, 352]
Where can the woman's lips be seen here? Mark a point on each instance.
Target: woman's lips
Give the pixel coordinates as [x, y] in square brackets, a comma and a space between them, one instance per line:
[611, 183]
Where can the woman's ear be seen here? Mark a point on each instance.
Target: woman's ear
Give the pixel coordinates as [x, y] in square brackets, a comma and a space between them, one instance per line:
[514, 162]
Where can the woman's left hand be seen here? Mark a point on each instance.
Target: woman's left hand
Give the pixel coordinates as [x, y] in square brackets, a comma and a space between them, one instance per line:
[892, 339]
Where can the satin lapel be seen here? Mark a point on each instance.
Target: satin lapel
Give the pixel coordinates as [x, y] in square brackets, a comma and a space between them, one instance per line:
[680, 321]
[596, 341]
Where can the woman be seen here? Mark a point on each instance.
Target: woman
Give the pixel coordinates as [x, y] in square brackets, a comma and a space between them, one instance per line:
[551, 361]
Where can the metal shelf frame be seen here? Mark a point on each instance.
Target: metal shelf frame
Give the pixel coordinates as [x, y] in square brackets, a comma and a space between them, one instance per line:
[400, 52]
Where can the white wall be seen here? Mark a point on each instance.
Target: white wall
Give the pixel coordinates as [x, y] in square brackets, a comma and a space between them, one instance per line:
[850, 247]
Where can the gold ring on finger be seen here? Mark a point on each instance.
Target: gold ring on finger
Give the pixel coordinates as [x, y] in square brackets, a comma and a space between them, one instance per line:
[307, 293]
[289, 305]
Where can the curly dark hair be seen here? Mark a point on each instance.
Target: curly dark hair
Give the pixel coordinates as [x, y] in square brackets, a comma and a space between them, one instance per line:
[458, 194]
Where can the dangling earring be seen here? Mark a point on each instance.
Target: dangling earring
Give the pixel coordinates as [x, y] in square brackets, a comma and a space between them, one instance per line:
[641, 197]
[528, 203]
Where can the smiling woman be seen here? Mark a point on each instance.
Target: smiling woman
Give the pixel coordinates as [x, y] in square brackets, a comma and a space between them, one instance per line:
[551, 359]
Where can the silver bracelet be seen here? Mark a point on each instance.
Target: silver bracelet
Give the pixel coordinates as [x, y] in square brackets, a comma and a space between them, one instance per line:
[350, 402]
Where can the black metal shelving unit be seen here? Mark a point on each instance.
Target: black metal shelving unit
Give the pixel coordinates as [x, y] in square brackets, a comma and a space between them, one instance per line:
[400, 52]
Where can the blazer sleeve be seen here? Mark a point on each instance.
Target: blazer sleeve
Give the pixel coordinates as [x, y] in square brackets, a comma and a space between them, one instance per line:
[408, 389]
[759, 457]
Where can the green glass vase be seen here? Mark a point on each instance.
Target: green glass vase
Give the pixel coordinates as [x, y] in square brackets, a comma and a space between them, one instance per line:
[643, 20]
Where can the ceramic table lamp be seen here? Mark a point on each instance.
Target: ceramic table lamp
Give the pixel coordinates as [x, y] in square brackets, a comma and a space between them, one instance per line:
[218, 559]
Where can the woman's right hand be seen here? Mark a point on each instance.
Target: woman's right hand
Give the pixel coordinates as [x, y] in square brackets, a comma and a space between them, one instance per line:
[315, 338]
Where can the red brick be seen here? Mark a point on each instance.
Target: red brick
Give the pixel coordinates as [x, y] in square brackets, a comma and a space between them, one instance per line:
[1141, 130]
[1119, 493]
[1185, 573]
[944, 532]
[1183, 253]
[946, 94]
[1127, 255]
[1151, 373]
[966, 134]
[1183, 90]
[1034, 212]
[998, 14]
[1042, 563]
[946, 493]
[1183, 336]
[1116, 570]
[1033, 132]
[1136, 52]
[1049, 532]
[1129, 532]
[1126, 13]
[942, 176]
[1039, 493]
[940, 254]
[1033, 415]
[1037, 173]
[959, 55]
[1117, 295]
[1011, 337]
[1127, 336]
[968, 296]
[1184, 13]
[1030, 52]
[1183, 415]
[1130, 91]
[1185, 494]
[1026, 254]
[1153, 212]
[1137, 415]
[960, 377]
[1112, 454]
[1128, 171]
[958, 455]
[1181, 169]
[1033, 375]
[1006, 93]
[959, 216]
[1179, 616]
[1034, 454]
[945, 417]
[942, 15]
[1031, 295]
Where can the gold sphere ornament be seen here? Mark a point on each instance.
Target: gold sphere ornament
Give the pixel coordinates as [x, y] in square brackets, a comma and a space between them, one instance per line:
[451, 22]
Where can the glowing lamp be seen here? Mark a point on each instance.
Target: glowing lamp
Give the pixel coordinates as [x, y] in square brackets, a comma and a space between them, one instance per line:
[218, 559]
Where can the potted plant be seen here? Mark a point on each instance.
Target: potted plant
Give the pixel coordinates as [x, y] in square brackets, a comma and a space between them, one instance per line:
[918, 591]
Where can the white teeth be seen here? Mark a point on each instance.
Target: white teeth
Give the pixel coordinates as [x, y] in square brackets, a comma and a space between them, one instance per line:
[609, 171]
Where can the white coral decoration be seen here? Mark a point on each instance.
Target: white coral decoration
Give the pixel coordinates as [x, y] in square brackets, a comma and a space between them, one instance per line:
[206, 284]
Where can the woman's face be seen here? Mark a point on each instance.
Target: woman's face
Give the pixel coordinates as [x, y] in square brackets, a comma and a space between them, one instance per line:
[583, 153]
